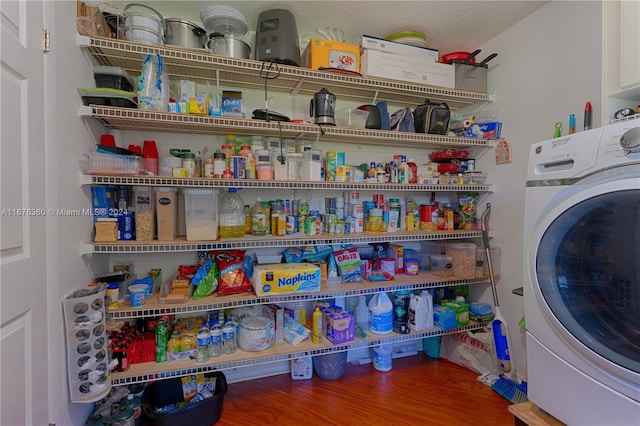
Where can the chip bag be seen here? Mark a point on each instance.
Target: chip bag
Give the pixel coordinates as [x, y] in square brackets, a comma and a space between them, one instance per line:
[233, 278]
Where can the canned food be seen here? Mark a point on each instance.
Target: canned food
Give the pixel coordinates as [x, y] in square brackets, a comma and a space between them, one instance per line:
[310, 225]
[292, 224]
[352, 197]
[162, 337]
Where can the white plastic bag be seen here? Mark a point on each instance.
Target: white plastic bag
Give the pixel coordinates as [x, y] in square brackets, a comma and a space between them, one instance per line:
[472, 350]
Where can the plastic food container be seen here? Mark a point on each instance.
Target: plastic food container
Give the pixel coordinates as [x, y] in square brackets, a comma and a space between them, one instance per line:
[442, 265]
[350, 117]
[137, 294]
[145, 217]
[167, 213]
[256, 334]
[112, 78]
[99, 164]
[464, 259]
[201, 211]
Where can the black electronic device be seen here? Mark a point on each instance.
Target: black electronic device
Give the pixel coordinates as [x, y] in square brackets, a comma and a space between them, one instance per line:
[277, 37]
[261, 114]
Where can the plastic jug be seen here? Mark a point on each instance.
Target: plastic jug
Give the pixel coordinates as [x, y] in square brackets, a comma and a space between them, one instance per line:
[401, 302]
[418, 312]
[362, 313]
[232, 221]
[429, 297]
[383, 357]
[380, 314]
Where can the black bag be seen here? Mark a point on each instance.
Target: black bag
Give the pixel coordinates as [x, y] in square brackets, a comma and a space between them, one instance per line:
[432, 118]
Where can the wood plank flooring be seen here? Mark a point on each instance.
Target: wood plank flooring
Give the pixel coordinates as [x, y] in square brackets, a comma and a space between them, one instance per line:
[418, 391]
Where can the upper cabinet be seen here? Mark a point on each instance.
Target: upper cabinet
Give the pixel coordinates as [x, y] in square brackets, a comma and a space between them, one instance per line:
[621, 55]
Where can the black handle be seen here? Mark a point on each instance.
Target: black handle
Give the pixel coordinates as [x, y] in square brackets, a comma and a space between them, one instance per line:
[311, 108]
[472, 55]
[488, 58]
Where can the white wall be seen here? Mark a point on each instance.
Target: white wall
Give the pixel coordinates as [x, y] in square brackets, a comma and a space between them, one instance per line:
[548, 66]
[66, 70]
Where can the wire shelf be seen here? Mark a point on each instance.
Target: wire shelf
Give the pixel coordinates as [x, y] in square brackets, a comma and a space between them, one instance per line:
[298, 239]
[142, 373]
[273, 184]
[211, 303]
[160, 121]
[245, 73]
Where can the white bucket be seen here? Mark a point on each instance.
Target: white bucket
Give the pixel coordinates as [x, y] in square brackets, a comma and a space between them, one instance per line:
[383, 357]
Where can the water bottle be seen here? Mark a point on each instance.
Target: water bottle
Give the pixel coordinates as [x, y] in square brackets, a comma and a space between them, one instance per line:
[229, 337]
[215, 346]
[232, 221]
[203, 345]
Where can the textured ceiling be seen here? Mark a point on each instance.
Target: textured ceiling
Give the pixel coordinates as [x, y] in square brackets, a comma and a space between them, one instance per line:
[448, 25]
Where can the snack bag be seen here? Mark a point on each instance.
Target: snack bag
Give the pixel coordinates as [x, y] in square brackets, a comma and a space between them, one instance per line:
[467, 205]
[233, 278]
[349, 265]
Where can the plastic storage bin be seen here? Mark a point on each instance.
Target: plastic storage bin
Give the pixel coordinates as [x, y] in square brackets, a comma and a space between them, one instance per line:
[330, 366]
[201, 212]
[166, 392]
[105, 164]
[113, 78]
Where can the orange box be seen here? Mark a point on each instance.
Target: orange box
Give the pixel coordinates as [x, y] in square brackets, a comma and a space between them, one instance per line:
[331, 54]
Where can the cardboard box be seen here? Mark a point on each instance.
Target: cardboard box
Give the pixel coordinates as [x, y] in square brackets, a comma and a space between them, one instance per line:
[278, 315]
[444, 317]
[382, 45]
[340, 325]
[232, 104]
[397, 67]
[331, 54]
[491, 130]
[397, 253]
[285, 278]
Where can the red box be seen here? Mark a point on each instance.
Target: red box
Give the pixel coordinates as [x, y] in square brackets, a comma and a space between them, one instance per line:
[142, 349]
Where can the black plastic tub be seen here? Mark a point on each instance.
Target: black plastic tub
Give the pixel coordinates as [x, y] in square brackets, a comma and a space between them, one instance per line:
[165, 392]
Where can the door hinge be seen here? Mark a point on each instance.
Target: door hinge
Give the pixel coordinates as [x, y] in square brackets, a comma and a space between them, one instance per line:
[46, 45]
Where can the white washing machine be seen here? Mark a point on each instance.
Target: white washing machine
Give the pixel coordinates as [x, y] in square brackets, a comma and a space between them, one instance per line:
[582, 276]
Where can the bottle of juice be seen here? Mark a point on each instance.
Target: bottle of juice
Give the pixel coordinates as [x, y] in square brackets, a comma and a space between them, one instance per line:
[258, 219]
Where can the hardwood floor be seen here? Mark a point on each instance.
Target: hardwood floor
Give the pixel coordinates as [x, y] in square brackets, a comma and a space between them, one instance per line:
[418, 391]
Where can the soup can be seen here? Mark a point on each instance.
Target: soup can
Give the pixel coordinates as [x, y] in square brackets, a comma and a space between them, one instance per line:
[292, 224]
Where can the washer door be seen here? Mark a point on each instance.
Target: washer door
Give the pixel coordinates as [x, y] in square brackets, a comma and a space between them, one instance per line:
[588, 271]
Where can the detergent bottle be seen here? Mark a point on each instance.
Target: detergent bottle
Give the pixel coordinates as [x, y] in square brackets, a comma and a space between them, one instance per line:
[418, 312]
[380, 314]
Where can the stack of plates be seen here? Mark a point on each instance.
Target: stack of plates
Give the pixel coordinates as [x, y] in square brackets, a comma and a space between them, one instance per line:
[414, 38]
[224, 19]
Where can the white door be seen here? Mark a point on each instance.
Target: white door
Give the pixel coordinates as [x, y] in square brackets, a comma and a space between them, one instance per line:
[23, 290]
